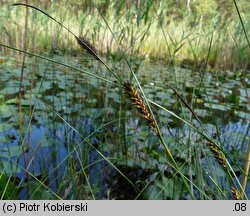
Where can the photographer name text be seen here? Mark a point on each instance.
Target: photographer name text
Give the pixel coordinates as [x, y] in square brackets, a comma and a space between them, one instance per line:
[44, 207]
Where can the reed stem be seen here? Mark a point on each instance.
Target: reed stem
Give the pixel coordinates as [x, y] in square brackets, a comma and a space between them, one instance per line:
[246, 171]
[148, 116]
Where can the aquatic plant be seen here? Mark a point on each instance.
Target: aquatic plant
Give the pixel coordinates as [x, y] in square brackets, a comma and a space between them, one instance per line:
[140, 105]
[176, 152]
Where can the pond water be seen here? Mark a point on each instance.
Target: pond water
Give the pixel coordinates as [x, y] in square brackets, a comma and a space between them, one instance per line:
[64, 115]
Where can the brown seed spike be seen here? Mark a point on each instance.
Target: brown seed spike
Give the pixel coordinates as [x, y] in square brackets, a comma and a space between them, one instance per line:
[235, 193]
[86, 45]
[137, 101]
[218, 154]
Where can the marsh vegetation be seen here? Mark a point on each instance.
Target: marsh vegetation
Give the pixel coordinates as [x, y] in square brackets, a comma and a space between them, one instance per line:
[124, 99]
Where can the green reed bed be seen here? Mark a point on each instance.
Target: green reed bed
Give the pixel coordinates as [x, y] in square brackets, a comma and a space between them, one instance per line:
[137, 30]
[175, 176]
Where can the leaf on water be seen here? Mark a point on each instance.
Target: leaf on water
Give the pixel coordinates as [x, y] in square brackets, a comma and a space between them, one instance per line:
[38, 191]
[9, 151]
[8, 167]
[244, 115]
[216, 107]
[5, 111]
[164, 189]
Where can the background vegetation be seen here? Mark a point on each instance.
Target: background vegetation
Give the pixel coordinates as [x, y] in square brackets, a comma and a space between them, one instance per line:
[151, 102]
[188, 26]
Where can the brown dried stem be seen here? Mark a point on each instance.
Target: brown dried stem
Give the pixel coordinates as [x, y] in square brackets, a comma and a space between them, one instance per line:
[246, 171]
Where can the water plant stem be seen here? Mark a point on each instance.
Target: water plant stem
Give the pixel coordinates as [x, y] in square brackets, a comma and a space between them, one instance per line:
[246, 171]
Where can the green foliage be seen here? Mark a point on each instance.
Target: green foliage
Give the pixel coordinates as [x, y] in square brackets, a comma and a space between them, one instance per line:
[38, 192]
[167, 166]
[8, 187]
[137, 25]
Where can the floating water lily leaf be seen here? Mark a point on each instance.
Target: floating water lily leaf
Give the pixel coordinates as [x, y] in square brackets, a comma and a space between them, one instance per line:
[8, 167]
[201, 112]
[199, 101]
[3, 139]
[114, 96]
[9, 90]
[5, 112]
[5, 127]
[164, 189]
[11, 101]
[9, 151]
[245, 115]
[216, 106]
[38, 192]
[153, 192]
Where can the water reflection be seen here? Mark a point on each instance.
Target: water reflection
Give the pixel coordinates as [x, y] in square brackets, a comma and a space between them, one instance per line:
[60, 108]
